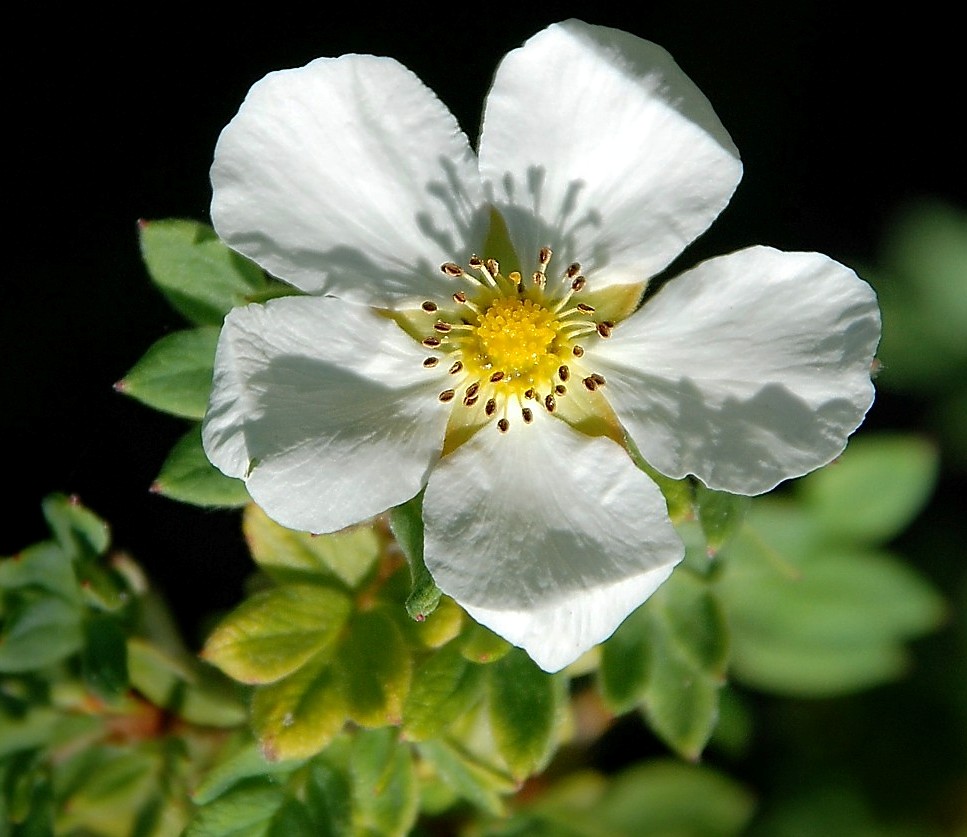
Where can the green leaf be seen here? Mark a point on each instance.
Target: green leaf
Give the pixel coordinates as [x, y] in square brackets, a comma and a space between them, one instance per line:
[104, 657]
[201, 277]
[406, 521]
[276, 631]
[444, 687]
[625, 662]
[329, 800]
[385, 792]
[80, 532]
[43, 565]
[188, 476]
[39, 630]
[481, 785]
[187, 690]
[175, 374]
[720, 514]
[298, 716]
[810, 620]
[671, 798]
[289, 556]
[245, 763]
[253, 809]
[525, 707]
[377, 666]
[875, 489]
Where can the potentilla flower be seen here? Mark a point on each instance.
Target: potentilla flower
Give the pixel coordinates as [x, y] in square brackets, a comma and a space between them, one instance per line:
[471, 324]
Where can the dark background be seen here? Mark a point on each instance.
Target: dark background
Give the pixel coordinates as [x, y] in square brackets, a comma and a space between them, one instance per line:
[841, 117]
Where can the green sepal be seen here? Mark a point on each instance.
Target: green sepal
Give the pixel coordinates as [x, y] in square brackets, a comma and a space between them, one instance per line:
[481, 645]
[720, 515]
[274, 632]
[406, 521]
[525, 706]
[43, 565]
[188, 476]
[288, 556]
[175, 374]
[104, 657]
[385, 791]
[444, 687]
[201, 277]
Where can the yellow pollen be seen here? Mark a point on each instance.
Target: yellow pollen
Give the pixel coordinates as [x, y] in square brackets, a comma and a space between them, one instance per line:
[518, 337]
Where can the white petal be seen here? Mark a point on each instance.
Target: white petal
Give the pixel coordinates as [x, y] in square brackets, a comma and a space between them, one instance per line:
[750, 369]
[595, 143]
[332, 405]
[549, 537]
[348, 177]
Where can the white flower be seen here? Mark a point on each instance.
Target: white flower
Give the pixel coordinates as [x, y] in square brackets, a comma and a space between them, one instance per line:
[511, 397]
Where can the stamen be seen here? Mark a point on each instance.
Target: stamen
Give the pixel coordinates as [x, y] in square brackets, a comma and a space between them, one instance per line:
[604, 328]
[453, 269]
[528, 415]
[578, 351]
[470, 400]
[503, 425]
[429, 307]
[431, 342]
[442, 327]
[497, 376]
[550, 403]
[457, 366]
[538, 279]
[573, 270]
[530, 394]
[584, 308]
[560, 389]
[544, 257]
[430, 362]
[472, 389]
[460, 297]
[591, 384]
[598, 379]
[447, 395]
[578, 284]
[491, 406]
[563, 373]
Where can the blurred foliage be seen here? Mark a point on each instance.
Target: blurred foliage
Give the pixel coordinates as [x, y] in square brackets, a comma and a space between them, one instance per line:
[346, 696]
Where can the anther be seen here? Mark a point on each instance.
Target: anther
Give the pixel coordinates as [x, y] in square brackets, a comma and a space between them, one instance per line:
[493, 266]
[456, 367]
[429, 307]
[491, 406]
[430, 362]
[560, 389]
[514, 277]
[539, 279]
[578, 284]
[453, 269]
[584, 308]
[530, 394]
[563, 373]
[472, 389]
[591, 384]
[447, 395]
[528, 415]
[503, 425]
[460, 297]
[470, 400]
[604, 328]
[550, 403]
[431, 342]
[497, 376]
[443, 328]
[578, 351]
[598, 379]
[475, 261]
[544, 257]
[573, 270]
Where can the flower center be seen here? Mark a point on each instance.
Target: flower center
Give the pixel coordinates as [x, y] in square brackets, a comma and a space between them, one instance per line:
[510, 342]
